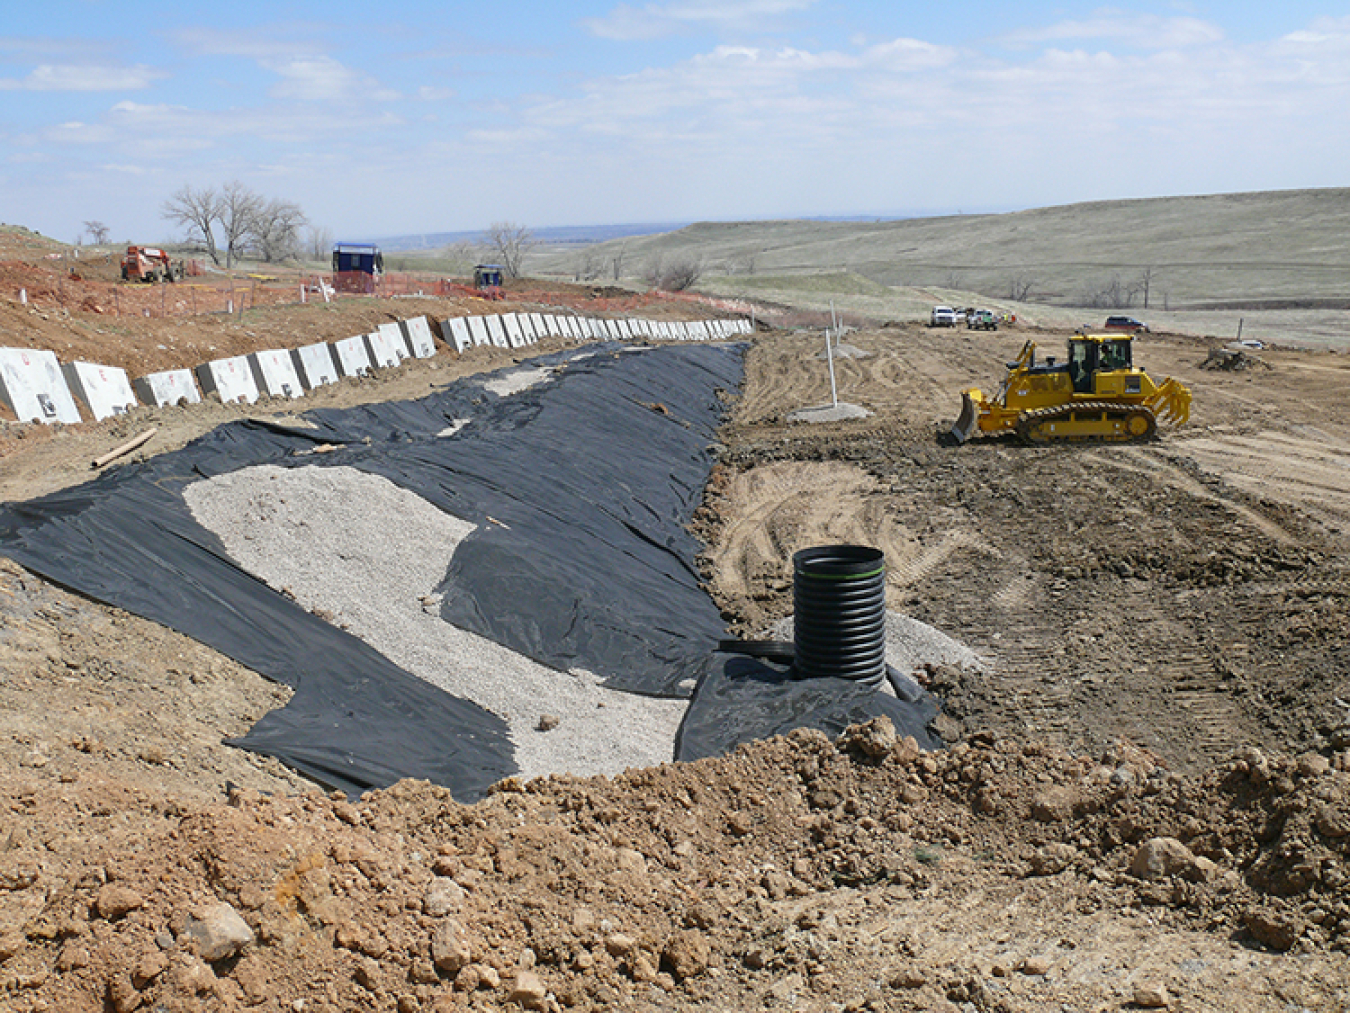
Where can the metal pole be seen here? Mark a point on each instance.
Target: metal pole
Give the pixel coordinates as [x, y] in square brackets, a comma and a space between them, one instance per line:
[834, 324]
[829, 355]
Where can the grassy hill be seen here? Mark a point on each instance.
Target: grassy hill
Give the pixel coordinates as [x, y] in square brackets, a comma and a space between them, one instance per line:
[1206, 264]
[1224, 251]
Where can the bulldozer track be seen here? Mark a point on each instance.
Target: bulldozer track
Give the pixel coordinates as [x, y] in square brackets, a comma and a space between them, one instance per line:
[1140, 424]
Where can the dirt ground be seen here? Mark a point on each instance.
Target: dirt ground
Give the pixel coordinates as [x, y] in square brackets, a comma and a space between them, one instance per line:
[1146, 803]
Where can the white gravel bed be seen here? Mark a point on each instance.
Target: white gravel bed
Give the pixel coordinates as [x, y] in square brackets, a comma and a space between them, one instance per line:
[370, 554]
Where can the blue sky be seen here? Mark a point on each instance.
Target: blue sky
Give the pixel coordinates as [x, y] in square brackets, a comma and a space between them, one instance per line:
[401, 117]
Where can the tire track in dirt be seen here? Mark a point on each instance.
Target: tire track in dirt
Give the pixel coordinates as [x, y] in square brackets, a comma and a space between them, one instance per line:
[1310, 471]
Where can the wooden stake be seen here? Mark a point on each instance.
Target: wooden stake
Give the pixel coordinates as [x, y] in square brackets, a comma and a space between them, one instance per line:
[125, 448]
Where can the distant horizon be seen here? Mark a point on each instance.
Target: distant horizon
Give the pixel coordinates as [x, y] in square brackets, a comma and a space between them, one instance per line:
[664, 111]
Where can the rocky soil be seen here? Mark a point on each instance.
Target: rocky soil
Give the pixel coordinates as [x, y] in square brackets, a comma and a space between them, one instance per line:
[1146, 803]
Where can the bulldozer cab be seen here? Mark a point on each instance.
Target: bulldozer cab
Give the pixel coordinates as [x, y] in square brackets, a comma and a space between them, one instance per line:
[1090, 354]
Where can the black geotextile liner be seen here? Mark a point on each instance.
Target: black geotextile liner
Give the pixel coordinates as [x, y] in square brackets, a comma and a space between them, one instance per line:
[582, 487]
[740, 699]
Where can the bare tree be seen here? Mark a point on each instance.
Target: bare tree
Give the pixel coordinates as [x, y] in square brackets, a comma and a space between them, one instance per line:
[98, 232]
[320, 243]
[239, 209]
[197, 211]
[1145, 283]
[617, 261]
[274, 232]
[510, 243]
[677, 275]
[1019, 288]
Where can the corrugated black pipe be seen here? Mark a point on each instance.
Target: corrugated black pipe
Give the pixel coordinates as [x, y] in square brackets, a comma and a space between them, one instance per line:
[839, 601]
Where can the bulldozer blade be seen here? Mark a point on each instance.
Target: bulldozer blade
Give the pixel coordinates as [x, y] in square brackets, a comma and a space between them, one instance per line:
[965, 424]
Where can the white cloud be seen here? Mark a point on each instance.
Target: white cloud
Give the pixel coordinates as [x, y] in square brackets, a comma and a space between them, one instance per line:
[1112, 26]
[319, 79]
[84, 77]
[653, 21]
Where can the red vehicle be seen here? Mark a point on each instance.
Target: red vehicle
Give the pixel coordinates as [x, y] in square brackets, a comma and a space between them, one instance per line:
[1126, 325]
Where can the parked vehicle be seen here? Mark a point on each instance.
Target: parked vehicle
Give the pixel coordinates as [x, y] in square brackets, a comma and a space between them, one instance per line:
[150, 264]
[1127, 325]
[942, 316]
[981, 320]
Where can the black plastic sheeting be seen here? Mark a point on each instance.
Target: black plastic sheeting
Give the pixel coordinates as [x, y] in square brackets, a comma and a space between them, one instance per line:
[740, 699]
[582, 489]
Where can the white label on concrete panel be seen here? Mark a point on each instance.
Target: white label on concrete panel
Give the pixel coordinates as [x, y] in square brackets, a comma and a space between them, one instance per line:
[478, 328]
[274, 373]
[417, 332]
[33, 387]
[458, 329]
[315, 365]
[498, 333]
[231, 379]
[352, 356]
[166, 388]
[514, 335]
[388, 347]
[104, 389]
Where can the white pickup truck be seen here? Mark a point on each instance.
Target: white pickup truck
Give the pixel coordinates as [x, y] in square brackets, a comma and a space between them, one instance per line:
[943, 316]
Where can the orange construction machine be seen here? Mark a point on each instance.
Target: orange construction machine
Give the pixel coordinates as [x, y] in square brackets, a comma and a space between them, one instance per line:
[149, 263]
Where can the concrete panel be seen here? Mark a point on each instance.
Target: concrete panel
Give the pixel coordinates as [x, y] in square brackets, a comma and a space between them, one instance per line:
[498, 332]
[417, 332]
[274, 373]
[353, 358]
[105, 390]
[478, 328]
[387, 346]
[315, 365]
[527, 328]
[514, 336]
[457, 330]
[571, 327]
[550, 325]
[33, 386]
[166, 388]
[230, 379]
[699, 330]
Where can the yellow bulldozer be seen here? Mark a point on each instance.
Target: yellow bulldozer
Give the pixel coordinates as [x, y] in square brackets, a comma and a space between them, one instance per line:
[1097, 396]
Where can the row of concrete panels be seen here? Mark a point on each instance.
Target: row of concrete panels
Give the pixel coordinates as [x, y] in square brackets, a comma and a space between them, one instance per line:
[38, 388]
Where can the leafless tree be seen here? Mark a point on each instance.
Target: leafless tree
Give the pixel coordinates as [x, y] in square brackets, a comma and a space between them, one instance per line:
[98, 232]
[239, 210]
[320, 243]
[197, 211]
[617, 261]
[1145, 283]
[274, 232]
[509, 242]
[678, 275]
[1020, 287]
